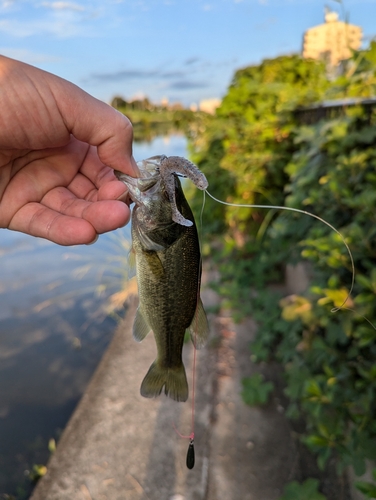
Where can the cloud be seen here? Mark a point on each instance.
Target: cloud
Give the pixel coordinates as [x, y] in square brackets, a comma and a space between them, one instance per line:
[187, 85]
[173, 80]
[60, 19]
[127, 74]
[63, 6]
[267, 23]
[61, 28]
[191, 60]
[137, 74]
[6, 3]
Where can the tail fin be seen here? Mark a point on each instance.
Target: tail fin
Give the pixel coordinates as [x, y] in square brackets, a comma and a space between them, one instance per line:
[174, 381]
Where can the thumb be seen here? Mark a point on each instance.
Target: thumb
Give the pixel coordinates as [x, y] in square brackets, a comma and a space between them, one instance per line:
[95, 122]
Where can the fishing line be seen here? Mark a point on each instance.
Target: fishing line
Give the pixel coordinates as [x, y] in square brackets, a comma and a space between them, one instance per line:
[277, 207]
[190, 460]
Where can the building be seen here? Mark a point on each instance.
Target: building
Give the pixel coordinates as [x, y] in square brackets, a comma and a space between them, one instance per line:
[331, 41]
[209, 105]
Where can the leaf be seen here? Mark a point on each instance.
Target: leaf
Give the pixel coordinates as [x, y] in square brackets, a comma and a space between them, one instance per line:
[338, 297]
[323, 457]
[313, 389]
[368, 489]
[307, 491]
[315, 440]
[255, 390]
[296, 307]
[359, 465]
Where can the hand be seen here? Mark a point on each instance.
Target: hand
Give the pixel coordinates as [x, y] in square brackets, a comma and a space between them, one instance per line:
[58, 149]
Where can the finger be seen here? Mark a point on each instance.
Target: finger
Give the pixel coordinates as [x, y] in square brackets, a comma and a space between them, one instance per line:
[115, 190]
[41, 221]
[83, 188]
[98, 124]
[103, 215]
[107, 215]
[94, 170]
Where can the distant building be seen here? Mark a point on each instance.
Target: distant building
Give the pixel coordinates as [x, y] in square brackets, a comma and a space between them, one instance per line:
[164, 102]
[209, 105]
[331, 41]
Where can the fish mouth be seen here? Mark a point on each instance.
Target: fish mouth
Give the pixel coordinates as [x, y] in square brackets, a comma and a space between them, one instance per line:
[148, 180]
[148, 168]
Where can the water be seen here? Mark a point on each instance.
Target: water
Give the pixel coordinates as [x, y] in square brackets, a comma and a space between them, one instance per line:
[53, 332]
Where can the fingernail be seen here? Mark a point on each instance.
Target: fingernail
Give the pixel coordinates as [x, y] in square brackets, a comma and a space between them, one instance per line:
[135, 167]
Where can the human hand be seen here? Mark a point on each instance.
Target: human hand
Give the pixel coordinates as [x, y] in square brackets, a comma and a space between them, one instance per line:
[58, 149]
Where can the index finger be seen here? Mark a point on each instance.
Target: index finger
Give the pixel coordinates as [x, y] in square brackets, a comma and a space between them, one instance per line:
[98, 124]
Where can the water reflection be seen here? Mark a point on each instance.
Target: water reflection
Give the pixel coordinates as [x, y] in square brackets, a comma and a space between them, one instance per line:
[53, 332]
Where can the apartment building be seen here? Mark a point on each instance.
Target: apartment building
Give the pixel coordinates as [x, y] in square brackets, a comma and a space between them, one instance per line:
[331, 41]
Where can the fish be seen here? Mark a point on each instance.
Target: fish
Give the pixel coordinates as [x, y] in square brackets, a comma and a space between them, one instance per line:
[166, 247]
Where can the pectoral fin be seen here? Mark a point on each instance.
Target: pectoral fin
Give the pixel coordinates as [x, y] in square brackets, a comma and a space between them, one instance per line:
[132, 259]
[199, 328]
[154, 266]
[140, 327]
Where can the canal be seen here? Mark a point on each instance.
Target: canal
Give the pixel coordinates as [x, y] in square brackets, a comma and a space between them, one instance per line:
[54, 328]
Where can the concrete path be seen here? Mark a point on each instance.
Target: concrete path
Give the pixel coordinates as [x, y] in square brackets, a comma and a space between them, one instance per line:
[120, 446]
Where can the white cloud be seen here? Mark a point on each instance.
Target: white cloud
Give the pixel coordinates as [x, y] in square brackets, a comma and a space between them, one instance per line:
[60, 19]
[5, 4]
[63, 6]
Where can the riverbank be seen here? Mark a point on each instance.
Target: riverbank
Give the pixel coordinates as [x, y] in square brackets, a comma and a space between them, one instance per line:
[119, 445]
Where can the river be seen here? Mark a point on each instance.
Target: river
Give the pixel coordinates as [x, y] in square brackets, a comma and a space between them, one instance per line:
[53, 332]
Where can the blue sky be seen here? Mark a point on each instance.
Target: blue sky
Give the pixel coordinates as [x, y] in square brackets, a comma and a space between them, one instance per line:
[184, 50]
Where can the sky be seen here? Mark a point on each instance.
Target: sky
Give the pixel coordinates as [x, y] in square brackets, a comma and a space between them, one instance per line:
[182, 50]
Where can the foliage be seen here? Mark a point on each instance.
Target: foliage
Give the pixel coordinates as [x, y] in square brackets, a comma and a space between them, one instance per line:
[256, 151]
[367, 488]
[37, 472]
[332, 173]
[252, 135]
[255, 390]
[307, 490]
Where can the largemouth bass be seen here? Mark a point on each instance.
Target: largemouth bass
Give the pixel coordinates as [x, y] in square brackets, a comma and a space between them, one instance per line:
[168, 269]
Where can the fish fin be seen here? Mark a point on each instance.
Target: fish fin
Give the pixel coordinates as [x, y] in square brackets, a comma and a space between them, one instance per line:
[147, 243]
[140, 327]
[132, 258]
[174, 381]
[154, 265]
[199, 328]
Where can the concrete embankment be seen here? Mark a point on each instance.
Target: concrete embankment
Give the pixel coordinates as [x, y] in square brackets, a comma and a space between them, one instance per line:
[120, 446]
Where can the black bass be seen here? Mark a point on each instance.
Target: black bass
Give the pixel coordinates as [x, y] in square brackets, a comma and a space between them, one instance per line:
[168, 269]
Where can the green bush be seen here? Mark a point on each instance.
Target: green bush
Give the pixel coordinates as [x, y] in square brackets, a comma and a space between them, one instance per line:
[327, 168]
[307, 491]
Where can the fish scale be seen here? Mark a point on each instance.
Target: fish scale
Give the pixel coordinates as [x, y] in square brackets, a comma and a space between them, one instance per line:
[168, 270]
